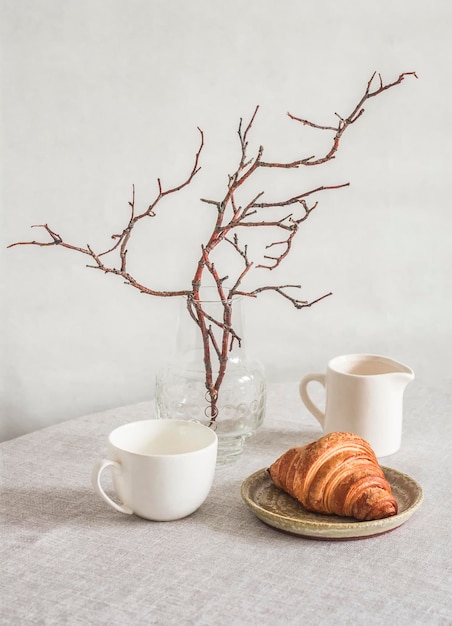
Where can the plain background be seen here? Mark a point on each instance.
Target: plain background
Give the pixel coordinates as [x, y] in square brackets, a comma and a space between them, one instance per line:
[99, 95]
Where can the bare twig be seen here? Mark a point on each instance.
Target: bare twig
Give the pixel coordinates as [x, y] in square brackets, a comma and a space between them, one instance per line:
[343, 122]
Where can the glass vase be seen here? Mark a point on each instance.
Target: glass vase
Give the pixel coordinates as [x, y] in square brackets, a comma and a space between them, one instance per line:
[236, 408]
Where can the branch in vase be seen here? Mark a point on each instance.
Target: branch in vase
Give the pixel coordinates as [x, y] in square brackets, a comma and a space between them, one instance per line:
[231, 215]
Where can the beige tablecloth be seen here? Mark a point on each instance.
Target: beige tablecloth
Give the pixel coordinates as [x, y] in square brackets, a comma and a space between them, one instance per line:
[67, 558]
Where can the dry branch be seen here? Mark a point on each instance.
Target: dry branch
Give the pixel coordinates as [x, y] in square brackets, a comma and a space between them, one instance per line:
[217, 334]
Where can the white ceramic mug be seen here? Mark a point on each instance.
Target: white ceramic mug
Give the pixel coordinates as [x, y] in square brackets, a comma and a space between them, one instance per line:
[162, 469]
[364, 395]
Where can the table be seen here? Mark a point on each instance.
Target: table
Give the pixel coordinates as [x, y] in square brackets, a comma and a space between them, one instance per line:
[68, 558]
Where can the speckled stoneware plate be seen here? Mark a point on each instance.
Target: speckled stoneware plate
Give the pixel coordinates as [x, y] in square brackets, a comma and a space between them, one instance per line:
[278, 509]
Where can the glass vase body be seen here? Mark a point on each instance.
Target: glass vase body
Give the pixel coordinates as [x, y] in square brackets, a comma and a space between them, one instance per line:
[181, 391]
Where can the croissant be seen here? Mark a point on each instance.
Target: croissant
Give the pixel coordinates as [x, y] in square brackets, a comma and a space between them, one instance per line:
[337, 474]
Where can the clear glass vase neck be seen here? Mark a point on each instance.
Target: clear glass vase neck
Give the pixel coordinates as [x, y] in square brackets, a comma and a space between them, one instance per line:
[213, 321]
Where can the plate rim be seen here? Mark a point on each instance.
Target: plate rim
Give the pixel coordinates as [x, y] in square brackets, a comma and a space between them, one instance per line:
[314, 528]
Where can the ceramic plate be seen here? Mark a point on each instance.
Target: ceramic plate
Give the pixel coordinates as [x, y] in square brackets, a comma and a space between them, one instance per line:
[278, 509]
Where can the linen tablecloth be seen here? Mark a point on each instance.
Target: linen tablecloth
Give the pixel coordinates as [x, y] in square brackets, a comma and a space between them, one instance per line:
[67, 558]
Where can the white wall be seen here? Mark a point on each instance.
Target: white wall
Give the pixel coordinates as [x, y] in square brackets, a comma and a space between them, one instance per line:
[99, 95]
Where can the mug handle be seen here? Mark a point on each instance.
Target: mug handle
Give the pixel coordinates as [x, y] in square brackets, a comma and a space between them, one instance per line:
[95, 479]
[317, 413]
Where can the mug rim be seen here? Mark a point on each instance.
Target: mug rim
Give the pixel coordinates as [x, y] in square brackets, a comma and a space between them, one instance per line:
[398, 367]
[163, 423]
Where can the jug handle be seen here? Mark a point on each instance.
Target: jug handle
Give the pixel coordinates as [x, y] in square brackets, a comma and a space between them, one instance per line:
[317, 413]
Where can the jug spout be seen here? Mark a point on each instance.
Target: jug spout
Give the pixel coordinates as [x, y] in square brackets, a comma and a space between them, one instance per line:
[404, 378]
[403, 375]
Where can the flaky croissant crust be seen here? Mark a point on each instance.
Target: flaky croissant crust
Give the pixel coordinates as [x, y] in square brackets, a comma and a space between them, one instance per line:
[337, 474]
